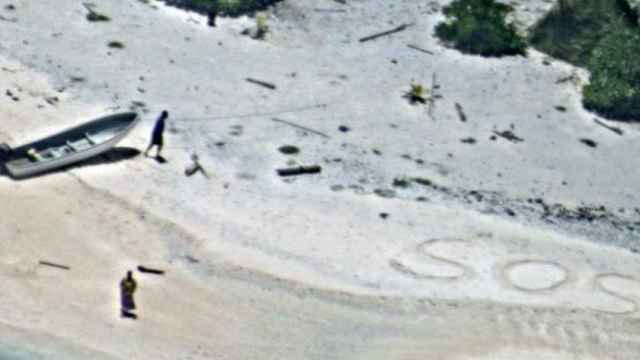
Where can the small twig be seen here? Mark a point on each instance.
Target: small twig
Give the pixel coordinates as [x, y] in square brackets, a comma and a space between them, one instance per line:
[329, 10]
[313, 169]
[148, 270]
[434, 96]
[414, 47]
[265, 84]
[461, 114]
[385, 33]
[509, 135]
[301, 127]
[58, 266]
[609, 127]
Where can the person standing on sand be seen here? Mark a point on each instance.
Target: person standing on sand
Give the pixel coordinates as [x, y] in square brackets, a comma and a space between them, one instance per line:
[128, 286]
[157, 134]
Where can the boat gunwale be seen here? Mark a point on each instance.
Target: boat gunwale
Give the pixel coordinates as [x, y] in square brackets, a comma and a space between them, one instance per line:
[17, 168]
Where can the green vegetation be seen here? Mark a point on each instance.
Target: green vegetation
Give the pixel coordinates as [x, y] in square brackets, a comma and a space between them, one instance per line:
[479, 27]
[574, 27]
[604, 37]
[614, 90]
[417, 94]
[262, 28]
[224, 7]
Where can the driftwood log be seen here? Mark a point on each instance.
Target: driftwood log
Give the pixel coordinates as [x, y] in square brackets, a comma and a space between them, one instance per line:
[300, 170]
[54, 265]
[609, 127]
[265, 84]
[415, 47]
[148, 270]
[385, 33]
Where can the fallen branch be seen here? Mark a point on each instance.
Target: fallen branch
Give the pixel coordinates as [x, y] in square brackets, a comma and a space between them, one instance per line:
[58, 266]
[509, 135]
[461, 114]
[329, 10]
[609, 127]
[313, 169]
[300, 127]
[414, 47]
[265, 84]
[144, 269]
[385, 33]
[434, 96]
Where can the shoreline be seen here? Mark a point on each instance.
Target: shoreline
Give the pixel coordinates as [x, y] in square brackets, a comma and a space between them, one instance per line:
[408, 239]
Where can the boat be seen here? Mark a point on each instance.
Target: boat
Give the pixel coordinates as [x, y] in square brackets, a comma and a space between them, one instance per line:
[69, 146]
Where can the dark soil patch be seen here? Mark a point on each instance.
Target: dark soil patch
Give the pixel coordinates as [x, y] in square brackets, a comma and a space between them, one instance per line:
[289, 149]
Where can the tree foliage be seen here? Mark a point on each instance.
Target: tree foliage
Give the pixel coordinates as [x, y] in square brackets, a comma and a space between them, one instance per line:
[614, 89]
[479, 27]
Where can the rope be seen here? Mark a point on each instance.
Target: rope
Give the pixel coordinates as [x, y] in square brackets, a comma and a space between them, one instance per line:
[265, 114]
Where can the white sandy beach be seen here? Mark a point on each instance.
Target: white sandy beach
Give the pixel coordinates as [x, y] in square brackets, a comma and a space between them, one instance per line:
[463, 264]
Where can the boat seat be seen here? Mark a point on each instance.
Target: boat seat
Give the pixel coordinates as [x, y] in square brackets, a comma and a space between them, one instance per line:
[71, 146]
[34, 155]
[89, 139]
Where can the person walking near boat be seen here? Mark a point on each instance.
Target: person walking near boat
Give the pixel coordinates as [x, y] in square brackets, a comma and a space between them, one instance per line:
[157, 135]
[128, 286]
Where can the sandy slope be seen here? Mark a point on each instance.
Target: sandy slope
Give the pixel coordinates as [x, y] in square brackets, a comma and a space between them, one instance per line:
[260, 267]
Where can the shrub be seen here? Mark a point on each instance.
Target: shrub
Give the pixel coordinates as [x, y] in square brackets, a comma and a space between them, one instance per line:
[479, 27]
[224, 7]
[574, 27]
[614, 90]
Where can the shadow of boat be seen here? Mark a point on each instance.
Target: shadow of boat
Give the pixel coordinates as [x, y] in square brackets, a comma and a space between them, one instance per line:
[111, 156]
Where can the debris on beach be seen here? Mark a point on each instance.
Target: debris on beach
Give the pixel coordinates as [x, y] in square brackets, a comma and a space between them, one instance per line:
[385, 33]
[262, 83]
[461, 115]
[300, 170]
[609, 127]
[508, 135]
[54, 265]
[195, 167]
[289, 149]
[589, 142]
[93, 15]
[148, 270]
[415, 47]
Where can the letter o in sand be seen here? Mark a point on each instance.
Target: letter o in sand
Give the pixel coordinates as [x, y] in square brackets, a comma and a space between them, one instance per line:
[533, 275]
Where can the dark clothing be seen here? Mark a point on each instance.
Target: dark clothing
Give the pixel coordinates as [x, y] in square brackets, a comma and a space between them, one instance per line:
[127, 287]
[126, 302]
[158, 130]
[211, 18]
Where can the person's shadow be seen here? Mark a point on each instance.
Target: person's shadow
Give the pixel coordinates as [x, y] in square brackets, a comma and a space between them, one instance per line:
[160, 159]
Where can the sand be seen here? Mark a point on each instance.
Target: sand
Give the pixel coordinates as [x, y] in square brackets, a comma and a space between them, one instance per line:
[358, 262]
